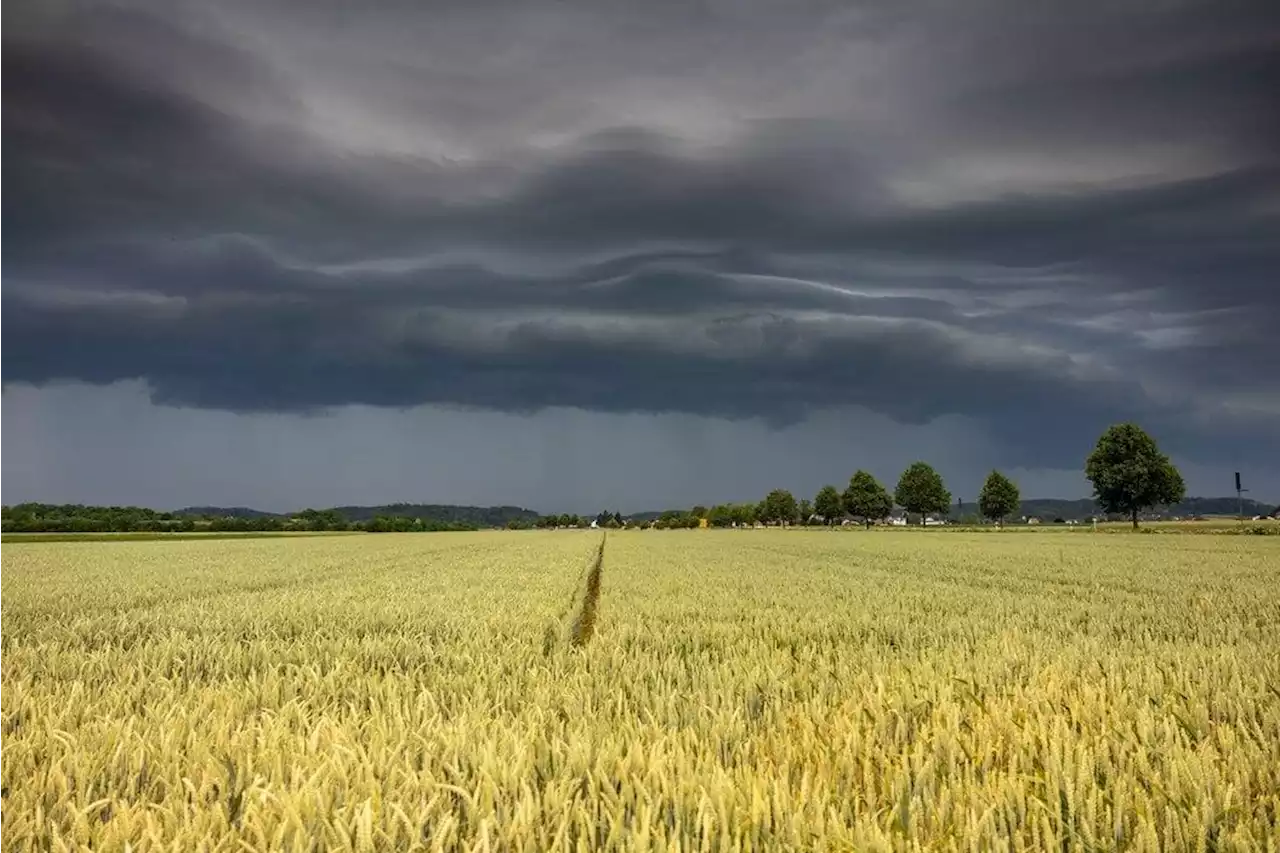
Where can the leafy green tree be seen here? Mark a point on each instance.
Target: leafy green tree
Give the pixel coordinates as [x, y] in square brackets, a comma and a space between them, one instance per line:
[675, 519]
[999, 497]
[805, 510]
[610, 520]
[780, 506]
[743, 515]
[865, 498]
[920, 490]
[698, 511]
[1130, 474]
[320, 519]
[827, 504]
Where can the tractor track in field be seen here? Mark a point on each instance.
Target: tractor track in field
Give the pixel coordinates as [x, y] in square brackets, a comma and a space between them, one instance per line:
[583, 607]
[584, 624]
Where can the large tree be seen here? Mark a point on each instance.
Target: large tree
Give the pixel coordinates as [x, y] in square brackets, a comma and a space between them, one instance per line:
[805, 510]
[865, 498]
[1130, 474]
[827, 504]
[780, 506]
[920, 490]
[999, 497]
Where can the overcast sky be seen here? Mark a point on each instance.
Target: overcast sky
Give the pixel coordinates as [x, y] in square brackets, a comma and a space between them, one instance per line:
[636, 255]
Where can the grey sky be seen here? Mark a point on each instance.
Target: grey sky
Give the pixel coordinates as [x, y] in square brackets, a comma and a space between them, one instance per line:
[644, 254]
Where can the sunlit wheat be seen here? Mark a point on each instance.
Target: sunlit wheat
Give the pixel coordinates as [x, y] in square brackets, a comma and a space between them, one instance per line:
[741, 690]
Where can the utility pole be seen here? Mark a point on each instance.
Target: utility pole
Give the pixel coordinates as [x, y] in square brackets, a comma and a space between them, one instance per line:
[1240, 499]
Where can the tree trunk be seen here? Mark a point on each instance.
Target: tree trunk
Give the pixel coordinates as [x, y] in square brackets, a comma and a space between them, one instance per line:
[1134, 515]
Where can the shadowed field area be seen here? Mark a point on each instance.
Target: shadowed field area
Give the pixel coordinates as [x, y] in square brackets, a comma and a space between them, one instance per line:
[740, 690]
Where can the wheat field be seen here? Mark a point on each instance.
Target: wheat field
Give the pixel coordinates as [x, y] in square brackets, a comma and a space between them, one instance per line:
[691, 690]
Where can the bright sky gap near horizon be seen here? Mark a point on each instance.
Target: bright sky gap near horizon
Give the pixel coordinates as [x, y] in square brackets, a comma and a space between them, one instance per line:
[581, 255]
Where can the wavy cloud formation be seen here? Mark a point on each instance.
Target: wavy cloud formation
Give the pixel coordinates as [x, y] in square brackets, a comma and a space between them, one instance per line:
[1041, 220]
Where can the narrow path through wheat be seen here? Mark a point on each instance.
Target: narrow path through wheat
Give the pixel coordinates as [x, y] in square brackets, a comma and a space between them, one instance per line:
[585, 623]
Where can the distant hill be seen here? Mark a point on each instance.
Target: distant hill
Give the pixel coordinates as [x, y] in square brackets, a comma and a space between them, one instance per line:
[1058, 508]
[647, 515]
[1219, 506]
[480, 516]
[1085, 507]
[225, 512]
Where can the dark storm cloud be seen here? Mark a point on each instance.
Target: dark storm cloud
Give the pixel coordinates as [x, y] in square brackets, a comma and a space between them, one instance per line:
[75, 109]
[1061, 235]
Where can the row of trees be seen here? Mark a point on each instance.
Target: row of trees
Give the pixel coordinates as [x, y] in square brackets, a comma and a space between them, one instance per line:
[79, 518]
[601, 519]
[318, 520]
[1128, 471]
[920, 491]
[405, 524]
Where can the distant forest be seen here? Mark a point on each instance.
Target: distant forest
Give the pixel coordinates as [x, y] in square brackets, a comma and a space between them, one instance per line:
[78, 518]
[402, 517]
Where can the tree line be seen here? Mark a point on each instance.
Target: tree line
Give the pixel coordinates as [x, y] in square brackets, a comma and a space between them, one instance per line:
[80, 518]
[1128, 471]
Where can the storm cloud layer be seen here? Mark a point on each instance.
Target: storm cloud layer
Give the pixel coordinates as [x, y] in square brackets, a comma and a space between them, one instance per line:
[1039, 218]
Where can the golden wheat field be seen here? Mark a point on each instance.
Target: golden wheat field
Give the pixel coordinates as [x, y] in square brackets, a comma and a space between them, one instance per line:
[729, 690]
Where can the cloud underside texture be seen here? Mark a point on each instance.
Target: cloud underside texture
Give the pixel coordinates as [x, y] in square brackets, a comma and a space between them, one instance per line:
[1041, 221]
